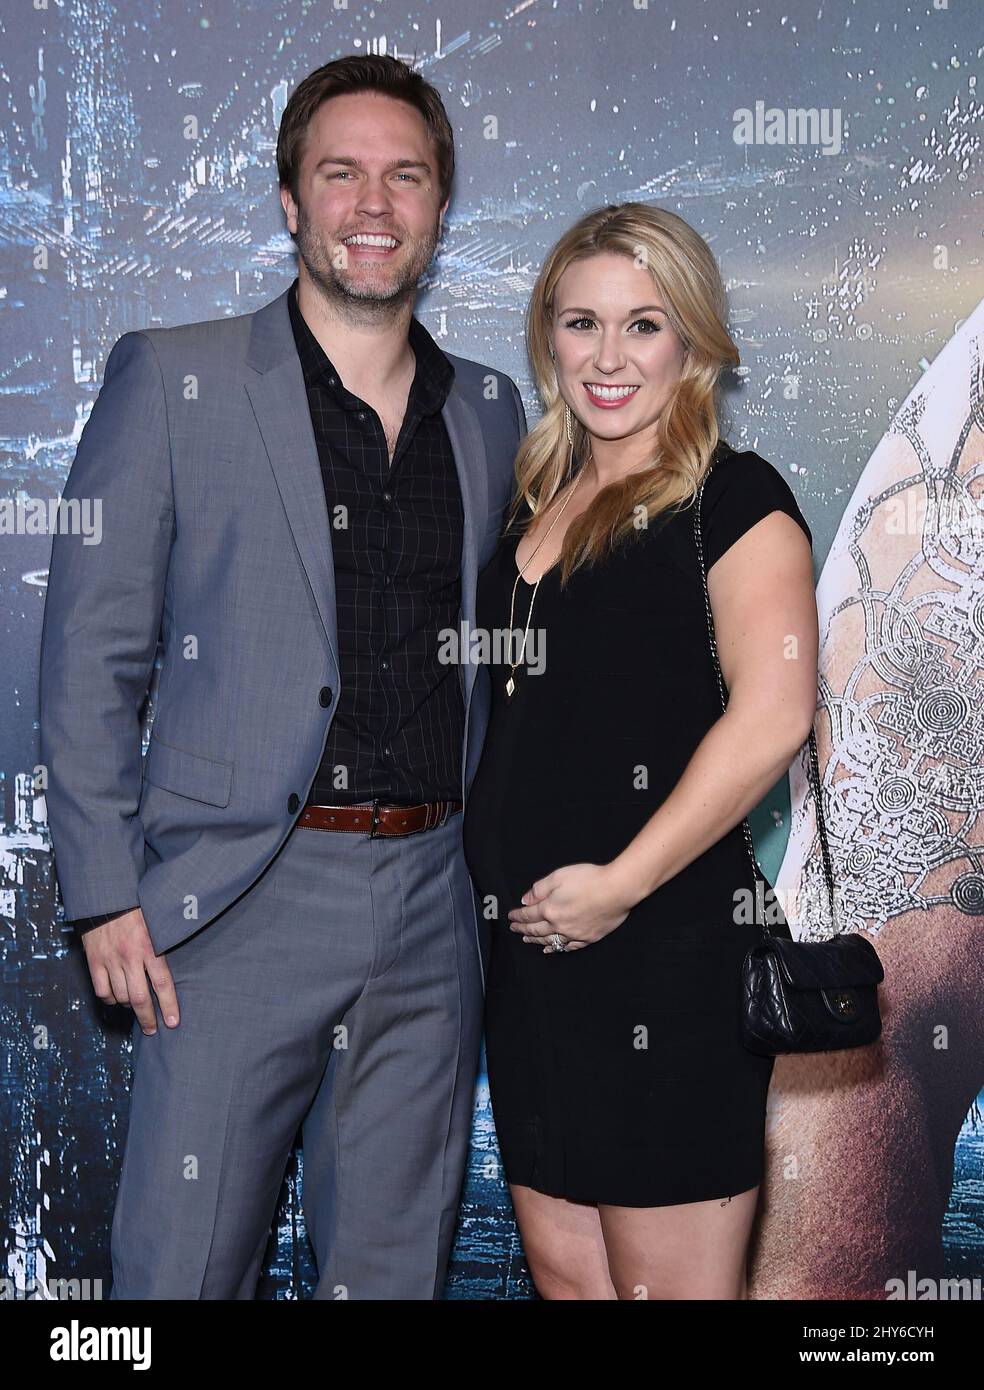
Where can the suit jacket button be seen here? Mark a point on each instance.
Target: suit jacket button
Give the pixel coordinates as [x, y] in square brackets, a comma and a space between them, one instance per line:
[325, 695]
[293, 801]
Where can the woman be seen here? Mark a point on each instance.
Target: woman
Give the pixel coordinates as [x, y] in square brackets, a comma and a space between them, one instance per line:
[603, 826]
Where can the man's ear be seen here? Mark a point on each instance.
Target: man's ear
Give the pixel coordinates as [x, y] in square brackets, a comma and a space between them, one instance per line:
[286, 202]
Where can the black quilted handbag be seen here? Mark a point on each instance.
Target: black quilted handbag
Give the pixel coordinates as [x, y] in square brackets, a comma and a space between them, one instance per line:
[800, 996]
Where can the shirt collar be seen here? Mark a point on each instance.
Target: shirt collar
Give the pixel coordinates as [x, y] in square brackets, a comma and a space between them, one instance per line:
[432, 379]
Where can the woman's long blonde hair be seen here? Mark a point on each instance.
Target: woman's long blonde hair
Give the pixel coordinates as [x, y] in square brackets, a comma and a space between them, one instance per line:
[686, 275]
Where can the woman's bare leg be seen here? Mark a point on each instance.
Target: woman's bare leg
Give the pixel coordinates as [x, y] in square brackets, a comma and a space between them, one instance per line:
[564, 1245]
[584, 1251]
[695, 1250]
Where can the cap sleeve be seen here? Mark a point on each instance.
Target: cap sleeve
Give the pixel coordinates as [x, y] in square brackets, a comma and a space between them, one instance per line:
[741, 490]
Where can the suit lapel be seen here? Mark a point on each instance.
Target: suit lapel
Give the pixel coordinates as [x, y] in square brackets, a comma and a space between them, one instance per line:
[280, 405]
[468, 448]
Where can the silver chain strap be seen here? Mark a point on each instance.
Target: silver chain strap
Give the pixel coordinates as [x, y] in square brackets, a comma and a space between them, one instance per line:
[814, 764]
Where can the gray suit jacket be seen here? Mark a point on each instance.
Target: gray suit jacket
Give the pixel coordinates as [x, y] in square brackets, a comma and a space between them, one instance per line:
[215, 541]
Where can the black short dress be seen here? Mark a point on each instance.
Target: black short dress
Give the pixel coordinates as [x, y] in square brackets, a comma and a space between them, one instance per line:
[616, 1072]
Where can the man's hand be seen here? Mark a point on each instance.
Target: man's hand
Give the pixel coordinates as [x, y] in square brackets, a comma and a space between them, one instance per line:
[121, 957]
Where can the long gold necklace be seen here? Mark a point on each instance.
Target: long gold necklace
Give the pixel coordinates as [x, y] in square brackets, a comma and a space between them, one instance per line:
[511, 682]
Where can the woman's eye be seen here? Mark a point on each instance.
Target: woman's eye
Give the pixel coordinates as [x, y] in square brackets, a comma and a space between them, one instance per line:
[650, 325]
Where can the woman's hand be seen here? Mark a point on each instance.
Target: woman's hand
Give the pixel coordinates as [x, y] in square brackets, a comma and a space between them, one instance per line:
[583, 902]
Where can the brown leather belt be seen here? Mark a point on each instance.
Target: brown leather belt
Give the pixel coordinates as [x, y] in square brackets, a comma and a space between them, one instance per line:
[375, 819]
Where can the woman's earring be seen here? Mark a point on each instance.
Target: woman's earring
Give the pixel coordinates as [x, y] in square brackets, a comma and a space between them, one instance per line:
[569, 422]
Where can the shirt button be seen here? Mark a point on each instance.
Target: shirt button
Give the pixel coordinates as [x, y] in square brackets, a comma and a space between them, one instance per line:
[387, 497]
[385, 665]
[362, 415]
[293, 801]
[324, 696]
[332, 381]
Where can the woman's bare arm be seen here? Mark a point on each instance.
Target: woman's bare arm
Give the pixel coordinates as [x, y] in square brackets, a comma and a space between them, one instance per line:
[765, 620]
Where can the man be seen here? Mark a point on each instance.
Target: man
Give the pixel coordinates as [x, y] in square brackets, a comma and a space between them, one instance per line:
[298, 501]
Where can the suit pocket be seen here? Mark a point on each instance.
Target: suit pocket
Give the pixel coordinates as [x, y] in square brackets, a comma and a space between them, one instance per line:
[187, 774]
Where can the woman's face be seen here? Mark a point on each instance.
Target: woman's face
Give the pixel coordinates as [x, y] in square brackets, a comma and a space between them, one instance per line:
[610, 331]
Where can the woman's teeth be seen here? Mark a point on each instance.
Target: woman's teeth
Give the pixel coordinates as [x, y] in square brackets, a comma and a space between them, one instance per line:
[610, 395]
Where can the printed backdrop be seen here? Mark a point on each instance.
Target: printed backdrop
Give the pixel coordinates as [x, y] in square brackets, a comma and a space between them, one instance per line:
[138, 188]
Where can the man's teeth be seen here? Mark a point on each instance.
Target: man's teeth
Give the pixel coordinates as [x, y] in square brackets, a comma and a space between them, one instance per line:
[368, 239]
[610, 393]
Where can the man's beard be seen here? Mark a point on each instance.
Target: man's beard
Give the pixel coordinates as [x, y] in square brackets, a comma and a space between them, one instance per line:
[340, 285]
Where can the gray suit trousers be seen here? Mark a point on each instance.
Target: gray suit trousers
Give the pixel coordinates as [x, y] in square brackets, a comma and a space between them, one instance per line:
[342, 994]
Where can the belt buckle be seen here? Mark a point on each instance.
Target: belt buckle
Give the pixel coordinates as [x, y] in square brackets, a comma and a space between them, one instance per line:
[374, 822]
